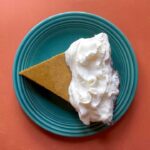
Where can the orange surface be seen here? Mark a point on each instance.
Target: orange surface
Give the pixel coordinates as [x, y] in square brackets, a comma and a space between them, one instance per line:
[17, 132]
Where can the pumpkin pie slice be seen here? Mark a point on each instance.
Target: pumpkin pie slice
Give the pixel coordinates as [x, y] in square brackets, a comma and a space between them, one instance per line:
[52, 74]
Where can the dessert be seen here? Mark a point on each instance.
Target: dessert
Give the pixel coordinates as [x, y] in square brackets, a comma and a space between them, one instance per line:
[89, 82]
[52, 74]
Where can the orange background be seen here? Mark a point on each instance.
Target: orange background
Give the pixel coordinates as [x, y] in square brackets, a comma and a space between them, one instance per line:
[17, 132]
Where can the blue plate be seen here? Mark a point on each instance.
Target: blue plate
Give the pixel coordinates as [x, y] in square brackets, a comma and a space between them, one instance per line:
[53, 36]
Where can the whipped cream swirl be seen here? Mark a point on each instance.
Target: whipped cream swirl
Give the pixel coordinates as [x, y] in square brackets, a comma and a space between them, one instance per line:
[94, 85]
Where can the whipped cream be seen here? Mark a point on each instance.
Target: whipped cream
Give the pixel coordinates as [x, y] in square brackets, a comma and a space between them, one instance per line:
[94, 85]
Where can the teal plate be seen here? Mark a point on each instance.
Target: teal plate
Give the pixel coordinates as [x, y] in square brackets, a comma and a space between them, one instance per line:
[53, 36]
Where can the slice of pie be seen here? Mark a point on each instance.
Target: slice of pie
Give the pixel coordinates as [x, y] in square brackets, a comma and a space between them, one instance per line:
[52, 74]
